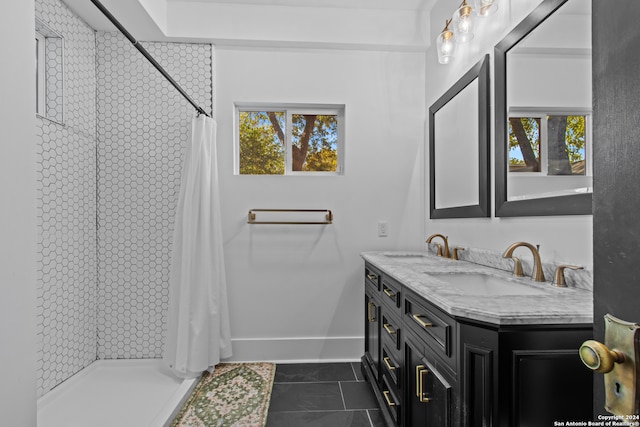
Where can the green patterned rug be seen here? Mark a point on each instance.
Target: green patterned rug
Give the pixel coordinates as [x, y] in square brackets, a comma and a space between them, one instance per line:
[234, 395]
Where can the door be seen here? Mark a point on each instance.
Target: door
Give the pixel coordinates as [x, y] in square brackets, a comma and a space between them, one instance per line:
[429, 396]
[616, 135]
[372, 333]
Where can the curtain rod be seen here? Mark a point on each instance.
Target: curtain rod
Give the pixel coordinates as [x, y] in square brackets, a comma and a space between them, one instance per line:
[147, 55]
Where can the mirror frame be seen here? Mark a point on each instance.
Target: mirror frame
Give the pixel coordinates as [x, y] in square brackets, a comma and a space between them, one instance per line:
[479, 71]
[578, 204]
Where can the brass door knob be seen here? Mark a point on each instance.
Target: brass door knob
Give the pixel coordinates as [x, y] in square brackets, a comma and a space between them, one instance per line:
[598, 357]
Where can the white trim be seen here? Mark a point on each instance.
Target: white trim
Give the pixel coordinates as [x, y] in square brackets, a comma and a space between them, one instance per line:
[298, 349]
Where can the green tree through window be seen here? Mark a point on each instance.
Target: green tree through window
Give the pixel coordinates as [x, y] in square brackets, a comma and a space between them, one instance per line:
[261, 152]
[264, 138]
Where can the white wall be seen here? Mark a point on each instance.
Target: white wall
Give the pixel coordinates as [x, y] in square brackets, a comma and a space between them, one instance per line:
[296, 291]
[287, 24]
[563, 238]
[143, 130]
[17, 216]
[66, 190]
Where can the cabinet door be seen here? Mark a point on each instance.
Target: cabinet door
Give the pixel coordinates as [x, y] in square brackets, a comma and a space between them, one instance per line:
[479, 376]
[428, 398]
[372, 333]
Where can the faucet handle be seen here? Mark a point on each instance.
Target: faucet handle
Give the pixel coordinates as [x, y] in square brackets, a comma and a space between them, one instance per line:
[517, 267]
[439, 249]
[559, 280]
[454, 252]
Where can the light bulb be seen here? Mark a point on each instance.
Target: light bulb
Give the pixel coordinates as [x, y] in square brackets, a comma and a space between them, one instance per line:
[463, 23]
[486, 7]
[446, 45]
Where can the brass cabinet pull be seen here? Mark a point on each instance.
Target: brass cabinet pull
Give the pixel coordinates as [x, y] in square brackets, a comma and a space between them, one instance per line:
[370, 317]
[372, 277]
[389, 329]
[386, 393]
[387, 361]
[420, 372]
[388, 292]
[417, 318]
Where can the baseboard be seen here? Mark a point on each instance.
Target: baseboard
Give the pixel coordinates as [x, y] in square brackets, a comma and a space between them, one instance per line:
[297, 350]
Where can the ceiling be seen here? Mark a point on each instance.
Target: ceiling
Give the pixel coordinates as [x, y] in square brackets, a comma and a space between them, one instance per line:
[347, 4]
[148, 20]
[129, 12]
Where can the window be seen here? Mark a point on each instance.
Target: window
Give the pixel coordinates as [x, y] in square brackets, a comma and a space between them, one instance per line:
[290, 140]
[548, 144]
[49, 72]
[40, 73]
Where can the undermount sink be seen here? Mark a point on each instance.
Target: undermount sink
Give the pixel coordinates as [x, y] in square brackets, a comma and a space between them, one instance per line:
[413, 257]
[406, 256]
[486, 284]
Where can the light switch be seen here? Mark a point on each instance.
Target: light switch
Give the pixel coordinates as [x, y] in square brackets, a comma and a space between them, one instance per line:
[383, 229]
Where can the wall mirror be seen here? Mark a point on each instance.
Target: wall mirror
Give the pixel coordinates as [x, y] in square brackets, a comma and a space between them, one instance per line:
[458, 153]
[49, 50]
[543, 107]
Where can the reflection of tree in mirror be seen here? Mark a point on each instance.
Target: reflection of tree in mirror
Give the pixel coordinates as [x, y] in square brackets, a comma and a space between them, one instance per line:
[524, 144]
[314, 140]
[565, 144]
[570, 138]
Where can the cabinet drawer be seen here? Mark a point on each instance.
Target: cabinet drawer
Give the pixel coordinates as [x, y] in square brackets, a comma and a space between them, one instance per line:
[391, 366]
[390, 329]
[372, 278]
[432, 325]
[391, 293]
[391, 400]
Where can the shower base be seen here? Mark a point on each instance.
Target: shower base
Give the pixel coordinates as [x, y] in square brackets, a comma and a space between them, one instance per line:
[107, 393]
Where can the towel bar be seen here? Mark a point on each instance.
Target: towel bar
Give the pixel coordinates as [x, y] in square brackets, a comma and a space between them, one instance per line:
[251, 218]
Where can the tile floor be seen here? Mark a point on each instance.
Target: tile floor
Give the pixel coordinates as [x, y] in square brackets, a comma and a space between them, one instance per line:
[322, 395]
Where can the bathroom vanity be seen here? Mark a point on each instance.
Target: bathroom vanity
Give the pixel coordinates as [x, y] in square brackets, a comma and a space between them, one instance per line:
[453, 343]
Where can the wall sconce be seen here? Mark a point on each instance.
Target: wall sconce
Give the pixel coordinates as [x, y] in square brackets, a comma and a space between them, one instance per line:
[486, 7]
[446, 44]
[463, 22]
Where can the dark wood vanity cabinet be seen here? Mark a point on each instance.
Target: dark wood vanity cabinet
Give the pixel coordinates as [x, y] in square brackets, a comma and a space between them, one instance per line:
[524, 375]
[428, 368]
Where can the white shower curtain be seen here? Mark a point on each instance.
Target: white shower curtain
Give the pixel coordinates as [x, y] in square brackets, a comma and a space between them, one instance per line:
[198, 333]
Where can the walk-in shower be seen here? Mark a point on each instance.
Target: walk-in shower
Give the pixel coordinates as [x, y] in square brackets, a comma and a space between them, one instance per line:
[108, 184]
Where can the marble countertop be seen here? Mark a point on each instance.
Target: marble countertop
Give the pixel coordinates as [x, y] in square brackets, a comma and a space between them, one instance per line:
[529, 302]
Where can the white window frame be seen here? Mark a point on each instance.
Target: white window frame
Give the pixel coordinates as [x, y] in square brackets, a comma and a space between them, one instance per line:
[541, 114]
[41, 80]
[289, 110]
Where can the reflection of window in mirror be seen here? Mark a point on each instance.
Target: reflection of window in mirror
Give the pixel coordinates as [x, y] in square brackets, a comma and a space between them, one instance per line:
[548, 144]
[524, 144]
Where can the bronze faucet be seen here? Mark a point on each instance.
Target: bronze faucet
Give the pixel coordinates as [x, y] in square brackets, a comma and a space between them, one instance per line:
[536, 274]
[444, 254]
